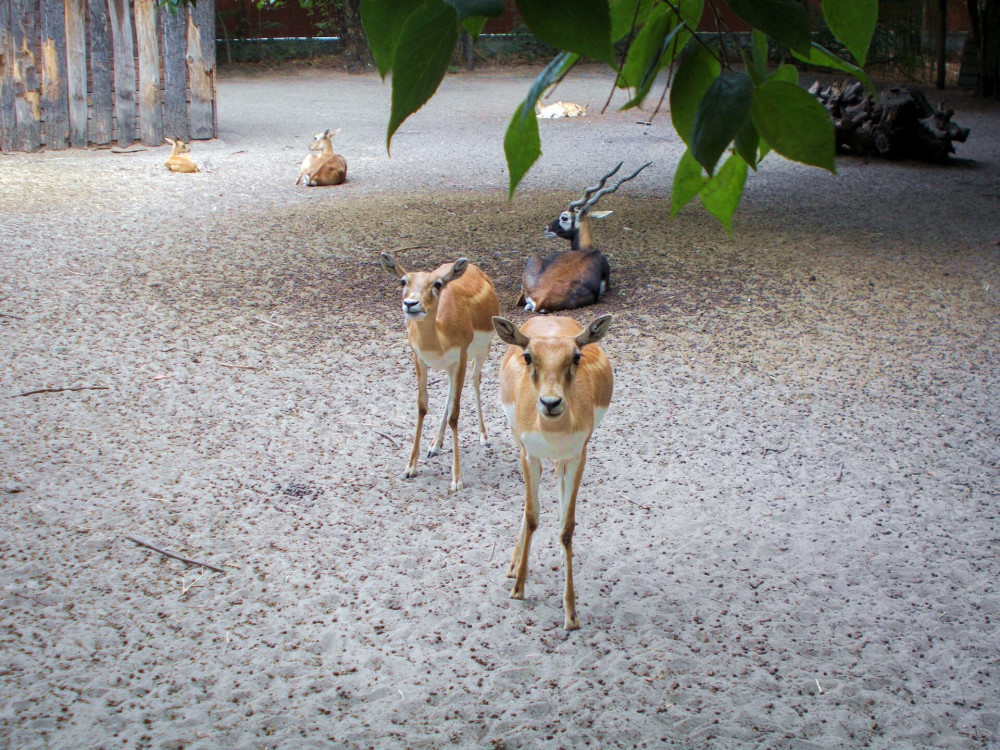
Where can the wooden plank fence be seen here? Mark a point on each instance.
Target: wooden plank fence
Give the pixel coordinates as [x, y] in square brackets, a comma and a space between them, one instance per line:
[76, 73]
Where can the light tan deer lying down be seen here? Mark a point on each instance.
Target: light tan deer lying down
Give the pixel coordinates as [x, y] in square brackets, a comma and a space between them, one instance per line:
[179, 161]
[325, 167]
[555, 385]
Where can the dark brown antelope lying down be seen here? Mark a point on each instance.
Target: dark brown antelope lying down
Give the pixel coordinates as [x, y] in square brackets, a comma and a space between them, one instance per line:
[579, 276]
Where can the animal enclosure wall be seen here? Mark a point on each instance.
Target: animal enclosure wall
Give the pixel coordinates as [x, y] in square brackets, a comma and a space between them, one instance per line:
[75, 73]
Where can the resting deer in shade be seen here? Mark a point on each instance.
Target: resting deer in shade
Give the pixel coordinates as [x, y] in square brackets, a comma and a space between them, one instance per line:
[324, 167]
[448, 313]
[555, 385]
[580, 275]
[179, 161]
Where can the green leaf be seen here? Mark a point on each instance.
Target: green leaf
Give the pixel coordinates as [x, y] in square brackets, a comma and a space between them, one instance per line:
[521, 145]
[581, 26]
[695, 74]
[722, 194]
[423, 54]
[383, 21]
[758, 67]
[647, 48]
[468, 8]
[853, 23]
[474, 25]
[785, 20]
[688, 182]
[825, 59]
[721, 113]
[794, 123]
[626, 15]
[787, 73]
[552, 72]
[747, 142]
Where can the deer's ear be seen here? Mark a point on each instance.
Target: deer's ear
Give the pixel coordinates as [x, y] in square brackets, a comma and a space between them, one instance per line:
[595, 331]
[390, 265]
[456, 270]
[600, 214]
[508, 332]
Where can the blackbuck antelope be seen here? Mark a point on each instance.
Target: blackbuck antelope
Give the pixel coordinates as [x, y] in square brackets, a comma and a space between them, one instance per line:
[448, 314]
[324, 167]
[579, 276]
[555, 385]
[179, 161]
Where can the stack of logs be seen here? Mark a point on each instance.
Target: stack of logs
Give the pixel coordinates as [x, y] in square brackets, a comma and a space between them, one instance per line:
[900, 125]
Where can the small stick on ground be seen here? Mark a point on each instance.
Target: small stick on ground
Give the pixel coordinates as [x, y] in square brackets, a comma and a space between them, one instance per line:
[630, 500]
[165, 553]
[60, 390]
[8, 315]
[382, 434]
[238, 367]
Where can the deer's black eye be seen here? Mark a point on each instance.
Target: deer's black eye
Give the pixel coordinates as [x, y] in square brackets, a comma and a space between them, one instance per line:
[576, 358]
[402, 282]
[527, 358]
[438, 284]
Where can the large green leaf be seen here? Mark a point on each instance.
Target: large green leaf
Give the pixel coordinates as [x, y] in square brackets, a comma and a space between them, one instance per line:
[721, 113]
[521, 145]
[794, 123]
[646, 49]
[423, 53]
[853, 23]
[721, 195]
[784, 20]
[627, 15]
[581, 26]
[474, 25]
[824, 58]
[695, 74]
[756, 61]
[383, 21]
[688, 182]
[551, 73]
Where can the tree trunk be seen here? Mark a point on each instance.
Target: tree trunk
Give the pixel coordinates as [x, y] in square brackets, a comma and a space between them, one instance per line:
[354, 43]
[985, 16]
[942, 42]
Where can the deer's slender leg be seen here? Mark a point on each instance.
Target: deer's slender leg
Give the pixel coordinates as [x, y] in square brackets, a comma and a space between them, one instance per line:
[477, 376]
[456, 381]
[570, 475]
[411, 469]
[532, 469]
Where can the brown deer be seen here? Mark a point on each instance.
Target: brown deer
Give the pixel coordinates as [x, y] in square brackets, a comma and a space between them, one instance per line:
[579, 276]
[324, 167]
[448, 314]
[555, 385]
[179, 161]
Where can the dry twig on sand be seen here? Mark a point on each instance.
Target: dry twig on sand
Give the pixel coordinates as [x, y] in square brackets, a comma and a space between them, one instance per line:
[60, 390]
[175, 556]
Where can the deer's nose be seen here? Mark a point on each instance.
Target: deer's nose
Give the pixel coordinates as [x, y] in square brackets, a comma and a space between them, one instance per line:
[551, 405]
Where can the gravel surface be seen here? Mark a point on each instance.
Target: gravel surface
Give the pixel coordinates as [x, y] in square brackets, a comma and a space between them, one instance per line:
[787, 535]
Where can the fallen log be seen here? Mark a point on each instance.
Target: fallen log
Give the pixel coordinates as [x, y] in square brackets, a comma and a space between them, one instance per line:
[902, 124]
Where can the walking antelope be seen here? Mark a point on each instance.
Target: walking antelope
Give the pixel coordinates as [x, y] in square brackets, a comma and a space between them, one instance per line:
[324, 167]
[448, 313]
[179, 161]
[579, 276]
[555, 385]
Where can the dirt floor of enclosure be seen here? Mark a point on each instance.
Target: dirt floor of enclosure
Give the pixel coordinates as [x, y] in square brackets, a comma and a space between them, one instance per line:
[787, 534]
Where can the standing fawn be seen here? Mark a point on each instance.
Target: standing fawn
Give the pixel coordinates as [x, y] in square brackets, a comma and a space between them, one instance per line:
[555, 385]
[578, 276]
[324, 167]
[179, 161]
[448, 315]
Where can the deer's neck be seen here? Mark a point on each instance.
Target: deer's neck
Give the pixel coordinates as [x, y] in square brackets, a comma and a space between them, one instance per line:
[583, 240]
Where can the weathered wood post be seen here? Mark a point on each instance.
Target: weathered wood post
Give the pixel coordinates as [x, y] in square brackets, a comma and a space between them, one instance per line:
[124, 57]
[101, 120]
[76, 71]
[150, 113]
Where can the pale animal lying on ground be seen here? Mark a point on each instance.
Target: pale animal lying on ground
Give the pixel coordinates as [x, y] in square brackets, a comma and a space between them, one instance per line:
[448, 314]
[179, 161]
[324, 167]
[560, 109]
[555, 385]
[578, 276]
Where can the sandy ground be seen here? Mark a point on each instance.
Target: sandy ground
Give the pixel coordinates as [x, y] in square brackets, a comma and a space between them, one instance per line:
[789, 526]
